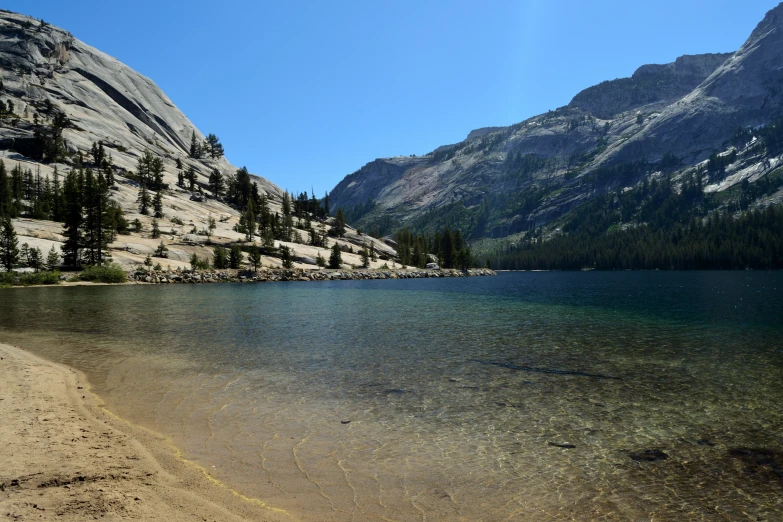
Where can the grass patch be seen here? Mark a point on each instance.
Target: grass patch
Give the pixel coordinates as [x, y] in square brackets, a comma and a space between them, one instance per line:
[111, 273]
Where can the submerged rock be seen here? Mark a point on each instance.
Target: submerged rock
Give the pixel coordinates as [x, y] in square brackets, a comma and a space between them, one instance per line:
[648, 455]
[564, 445]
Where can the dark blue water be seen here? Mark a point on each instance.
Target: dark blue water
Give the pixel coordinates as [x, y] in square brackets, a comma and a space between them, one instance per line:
[629, 395]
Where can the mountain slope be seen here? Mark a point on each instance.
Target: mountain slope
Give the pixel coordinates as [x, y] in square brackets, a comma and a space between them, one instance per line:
[105, 99]
[502, 181]
[48, 76]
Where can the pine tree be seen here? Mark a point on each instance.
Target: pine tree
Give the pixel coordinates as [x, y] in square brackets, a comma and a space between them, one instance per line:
[447, 253]
[365, 256]
[162, 250]
[6, 202]
[250, 220]
[9, 251]
[17, 189]
[214, 147]
[339, 222]
[264, 218]
[52, 260]
[157, 205]
[149, 172]
[335, 258]
[144, 200]
[24, 252]
[58, 202]
[235, 257]
[99, 215]
[255, 259]
[97, 154]
[211, 226]
[268, 238]
[156, 174]
[219, 257]
[155, 229]
[108, 170]
[240, 188]
[191, 177]
[216, 184]
[419, 260]
[90, 226]
[72, 218]
[180, 174]
[286, 256]
[195, 148]
[35, 259]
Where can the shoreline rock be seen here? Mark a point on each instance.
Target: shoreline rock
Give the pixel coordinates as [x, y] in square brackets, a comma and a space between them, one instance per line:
[275, 274]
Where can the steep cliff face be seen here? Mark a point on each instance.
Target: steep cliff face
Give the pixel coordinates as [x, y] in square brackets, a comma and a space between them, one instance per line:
[503, 180]
[105, 100]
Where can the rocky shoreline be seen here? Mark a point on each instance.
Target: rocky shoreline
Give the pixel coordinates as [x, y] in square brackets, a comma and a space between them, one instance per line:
[272, 275]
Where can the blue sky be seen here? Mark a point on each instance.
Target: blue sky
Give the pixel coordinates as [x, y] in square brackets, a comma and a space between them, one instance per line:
[304, 93]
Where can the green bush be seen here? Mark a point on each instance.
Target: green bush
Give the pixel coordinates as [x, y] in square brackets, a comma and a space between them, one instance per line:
[28, 279]
[111, 273]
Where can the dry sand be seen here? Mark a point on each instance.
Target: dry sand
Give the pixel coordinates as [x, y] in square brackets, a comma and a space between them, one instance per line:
[64, 457]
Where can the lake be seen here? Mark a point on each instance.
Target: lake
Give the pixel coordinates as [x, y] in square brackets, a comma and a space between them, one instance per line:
[526, 396]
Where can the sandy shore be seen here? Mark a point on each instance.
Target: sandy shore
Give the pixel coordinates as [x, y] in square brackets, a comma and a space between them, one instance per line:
[64, 457]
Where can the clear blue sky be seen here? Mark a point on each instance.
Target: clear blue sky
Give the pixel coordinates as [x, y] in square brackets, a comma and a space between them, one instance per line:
[305, 93]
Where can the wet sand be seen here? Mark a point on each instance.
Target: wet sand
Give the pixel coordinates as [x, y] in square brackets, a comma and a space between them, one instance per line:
[64, 457]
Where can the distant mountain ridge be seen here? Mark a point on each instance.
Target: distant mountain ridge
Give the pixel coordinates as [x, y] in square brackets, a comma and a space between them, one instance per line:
[502, 181]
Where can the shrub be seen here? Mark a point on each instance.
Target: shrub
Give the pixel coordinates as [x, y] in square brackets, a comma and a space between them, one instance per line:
[27, 279]
[111, 273]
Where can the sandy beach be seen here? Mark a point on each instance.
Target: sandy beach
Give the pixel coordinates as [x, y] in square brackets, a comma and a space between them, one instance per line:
[64, 457]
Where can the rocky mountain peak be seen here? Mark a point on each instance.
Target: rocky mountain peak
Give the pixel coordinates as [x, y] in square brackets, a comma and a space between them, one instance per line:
[744, 91]
[691, 66]
[650, 84]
